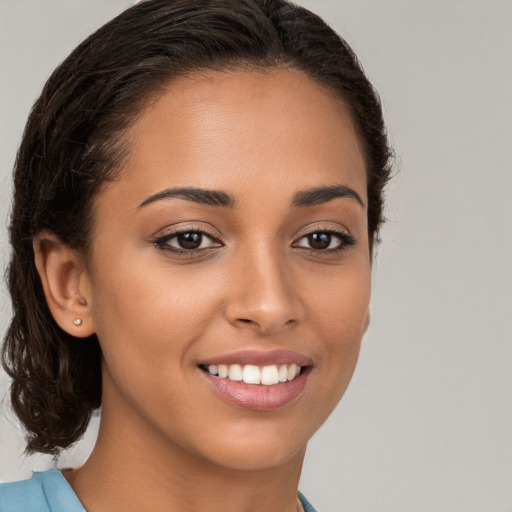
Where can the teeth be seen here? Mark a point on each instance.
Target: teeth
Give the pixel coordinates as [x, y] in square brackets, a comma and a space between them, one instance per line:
[251, 374]
[235, 372]
[292, 371]
[269, 375]
[283, 373]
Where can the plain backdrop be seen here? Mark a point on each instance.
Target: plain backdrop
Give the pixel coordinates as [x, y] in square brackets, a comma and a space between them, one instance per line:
[426, 424]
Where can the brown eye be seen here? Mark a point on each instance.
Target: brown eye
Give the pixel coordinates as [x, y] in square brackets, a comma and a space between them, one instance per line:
[189, 240]
[326, 241]
[319, 240]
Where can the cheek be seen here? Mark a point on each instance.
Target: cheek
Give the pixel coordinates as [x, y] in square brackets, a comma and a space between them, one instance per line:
[340, 305]
[340, 318]
[149, 309]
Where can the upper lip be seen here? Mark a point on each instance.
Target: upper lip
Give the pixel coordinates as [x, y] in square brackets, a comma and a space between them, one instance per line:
[260, 358]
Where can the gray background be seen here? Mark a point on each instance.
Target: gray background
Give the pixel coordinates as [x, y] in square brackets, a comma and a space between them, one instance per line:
[426, 424]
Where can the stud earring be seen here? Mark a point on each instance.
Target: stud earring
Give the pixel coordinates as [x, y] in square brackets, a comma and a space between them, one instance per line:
[77, 322]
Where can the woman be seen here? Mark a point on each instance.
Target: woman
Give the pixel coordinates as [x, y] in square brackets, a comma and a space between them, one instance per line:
[197, 196]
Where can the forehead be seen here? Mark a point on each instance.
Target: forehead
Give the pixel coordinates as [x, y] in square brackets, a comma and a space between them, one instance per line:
[221, 130]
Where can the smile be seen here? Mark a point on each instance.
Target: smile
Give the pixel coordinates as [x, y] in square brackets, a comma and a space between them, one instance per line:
[268, 375]
[261, 381]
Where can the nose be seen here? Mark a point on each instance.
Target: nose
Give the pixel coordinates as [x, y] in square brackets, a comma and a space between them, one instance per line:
[262, 293]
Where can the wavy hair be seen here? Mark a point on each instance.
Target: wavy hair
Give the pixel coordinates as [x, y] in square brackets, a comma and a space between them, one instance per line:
[73, 143]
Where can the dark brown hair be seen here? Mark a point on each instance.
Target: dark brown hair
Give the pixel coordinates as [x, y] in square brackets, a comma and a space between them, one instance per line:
[73, 144]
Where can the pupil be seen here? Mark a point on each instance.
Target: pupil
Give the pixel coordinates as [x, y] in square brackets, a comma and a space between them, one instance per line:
[189, 240]
[319, 240]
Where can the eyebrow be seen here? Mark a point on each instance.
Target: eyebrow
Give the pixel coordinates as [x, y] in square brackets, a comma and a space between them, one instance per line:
[319, 195]
[302, 199]
[197, 195]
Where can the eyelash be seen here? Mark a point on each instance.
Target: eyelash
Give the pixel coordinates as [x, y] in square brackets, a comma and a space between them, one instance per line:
[163, 241]
[345, 241]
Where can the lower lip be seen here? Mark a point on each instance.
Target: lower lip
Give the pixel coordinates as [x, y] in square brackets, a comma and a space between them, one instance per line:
[259, 397]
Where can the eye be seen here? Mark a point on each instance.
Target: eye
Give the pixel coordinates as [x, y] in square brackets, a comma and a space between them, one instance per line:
[326, 241]
[187, 241]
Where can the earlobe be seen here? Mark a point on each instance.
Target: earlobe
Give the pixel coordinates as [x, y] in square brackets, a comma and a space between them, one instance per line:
[65, 283]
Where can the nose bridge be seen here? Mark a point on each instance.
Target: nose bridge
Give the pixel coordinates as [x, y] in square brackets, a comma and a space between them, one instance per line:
[262, 292]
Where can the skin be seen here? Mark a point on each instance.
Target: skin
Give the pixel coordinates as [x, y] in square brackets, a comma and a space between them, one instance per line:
[167, 441]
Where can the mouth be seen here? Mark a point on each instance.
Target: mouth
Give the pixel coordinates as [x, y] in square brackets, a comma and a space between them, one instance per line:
[267, 375]
[261, 381]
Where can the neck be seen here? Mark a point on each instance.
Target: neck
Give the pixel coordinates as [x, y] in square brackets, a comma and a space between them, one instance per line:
[133, 469]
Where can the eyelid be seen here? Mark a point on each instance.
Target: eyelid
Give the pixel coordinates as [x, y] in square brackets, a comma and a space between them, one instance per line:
[199, 227]
[326, 227]
[346, 239]
[167, 234]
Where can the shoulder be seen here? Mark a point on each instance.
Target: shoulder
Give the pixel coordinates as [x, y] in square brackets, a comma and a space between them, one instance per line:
[46, 491]
[25, 495]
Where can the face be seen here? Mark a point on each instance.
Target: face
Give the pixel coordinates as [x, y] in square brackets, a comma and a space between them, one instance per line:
[234, 242]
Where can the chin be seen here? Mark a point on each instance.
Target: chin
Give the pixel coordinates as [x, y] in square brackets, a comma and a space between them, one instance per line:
[253, 449]
[257, 458]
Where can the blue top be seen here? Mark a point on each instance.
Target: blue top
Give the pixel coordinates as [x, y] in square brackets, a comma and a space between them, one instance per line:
[46, 491]
[49, 491]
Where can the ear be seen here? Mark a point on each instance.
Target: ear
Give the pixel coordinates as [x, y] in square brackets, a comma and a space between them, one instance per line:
[66, 284]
